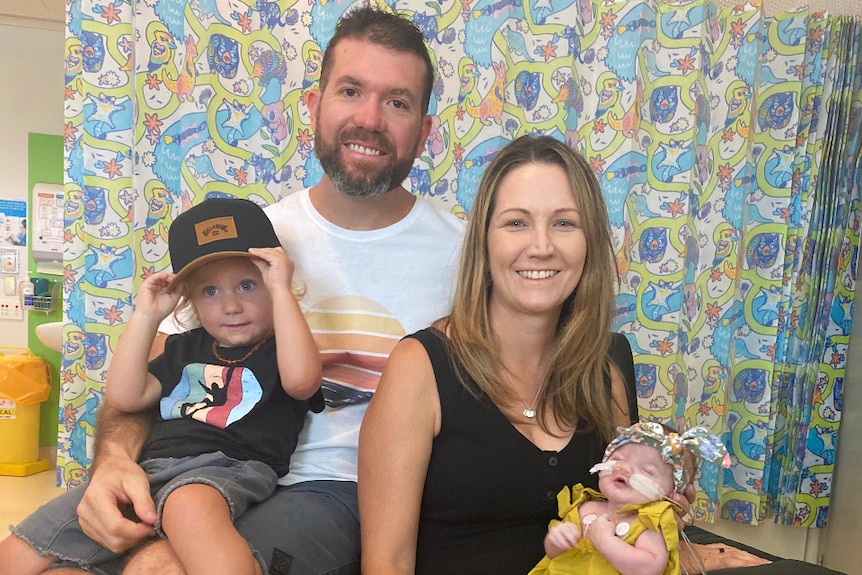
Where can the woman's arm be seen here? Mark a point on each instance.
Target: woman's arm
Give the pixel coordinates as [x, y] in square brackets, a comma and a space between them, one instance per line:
[715, 556]
[298, 356]
[620, 404]
[622, 360]
[394, 450]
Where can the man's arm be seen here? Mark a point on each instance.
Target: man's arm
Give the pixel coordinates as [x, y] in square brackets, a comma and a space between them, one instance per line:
[116, 481]
[120, 434]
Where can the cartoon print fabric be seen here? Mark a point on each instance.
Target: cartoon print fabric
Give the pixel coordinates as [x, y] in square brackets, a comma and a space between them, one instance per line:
[736, 227]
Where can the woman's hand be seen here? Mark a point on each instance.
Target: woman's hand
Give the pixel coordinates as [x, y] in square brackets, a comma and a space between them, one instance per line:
[715, 556]
[684, 500]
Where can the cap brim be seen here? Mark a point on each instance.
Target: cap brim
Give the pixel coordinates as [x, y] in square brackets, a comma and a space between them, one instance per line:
[203, 260]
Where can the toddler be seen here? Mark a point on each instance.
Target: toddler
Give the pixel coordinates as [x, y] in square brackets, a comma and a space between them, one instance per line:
[231, 403]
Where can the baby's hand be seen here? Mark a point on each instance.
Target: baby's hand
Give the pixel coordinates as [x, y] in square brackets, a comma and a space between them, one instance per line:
[601, 528]
[275, 267]
[561, 537]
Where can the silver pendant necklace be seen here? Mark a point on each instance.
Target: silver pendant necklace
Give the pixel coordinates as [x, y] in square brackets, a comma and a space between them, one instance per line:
[529, 409]
[529, 412]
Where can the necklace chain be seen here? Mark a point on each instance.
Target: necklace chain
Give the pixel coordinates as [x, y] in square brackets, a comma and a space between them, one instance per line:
[232, 362]
[529, 409]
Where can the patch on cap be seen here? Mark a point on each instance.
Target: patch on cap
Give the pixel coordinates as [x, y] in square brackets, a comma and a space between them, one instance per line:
[216, 229]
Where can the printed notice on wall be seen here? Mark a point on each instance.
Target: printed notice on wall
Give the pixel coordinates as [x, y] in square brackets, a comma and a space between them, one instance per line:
[13, 222]
[48, 206]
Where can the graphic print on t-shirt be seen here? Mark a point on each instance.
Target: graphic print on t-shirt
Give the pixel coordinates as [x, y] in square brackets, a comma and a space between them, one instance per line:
[212, 394]
[355, 336]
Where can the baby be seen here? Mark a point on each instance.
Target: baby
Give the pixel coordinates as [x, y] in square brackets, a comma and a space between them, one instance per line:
[630, 526]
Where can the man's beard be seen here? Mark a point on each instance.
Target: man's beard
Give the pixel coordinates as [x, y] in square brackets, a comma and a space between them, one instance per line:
[368, 185]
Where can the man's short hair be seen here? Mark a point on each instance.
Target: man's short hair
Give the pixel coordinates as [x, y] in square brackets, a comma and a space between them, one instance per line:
[387, 29]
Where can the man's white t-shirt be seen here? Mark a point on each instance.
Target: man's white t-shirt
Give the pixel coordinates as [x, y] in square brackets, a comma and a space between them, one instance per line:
[364, 291]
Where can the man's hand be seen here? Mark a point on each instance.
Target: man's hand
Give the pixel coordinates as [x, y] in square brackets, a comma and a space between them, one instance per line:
[117, 481]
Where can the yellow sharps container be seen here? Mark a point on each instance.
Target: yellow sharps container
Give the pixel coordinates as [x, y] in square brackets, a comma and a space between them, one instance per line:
[24, 384]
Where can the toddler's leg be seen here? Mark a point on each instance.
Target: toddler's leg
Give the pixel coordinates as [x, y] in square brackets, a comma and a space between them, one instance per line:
[197, 520]
[20, 558]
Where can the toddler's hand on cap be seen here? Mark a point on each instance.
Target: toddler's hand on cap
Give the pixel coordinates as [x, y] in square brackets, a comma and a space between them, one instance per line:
[275, 267]
[155, 298]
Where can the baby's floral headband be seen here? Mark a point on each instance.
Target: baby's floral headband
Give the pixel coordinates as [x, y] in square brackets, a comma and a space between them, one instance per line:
[697, 440]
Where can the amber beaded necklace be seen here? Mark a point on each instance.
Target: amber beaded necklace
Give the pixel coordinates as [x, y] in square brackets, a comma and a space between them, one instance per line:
[233, 362]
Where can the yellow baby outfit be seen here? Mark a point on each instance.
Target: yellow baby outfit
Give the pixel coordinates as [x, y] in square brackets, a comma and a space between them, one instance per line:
[585, 559]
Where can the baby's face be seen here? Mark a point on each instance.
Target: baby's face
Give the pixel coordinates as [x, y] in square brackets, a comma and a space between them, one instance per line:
[638, 474]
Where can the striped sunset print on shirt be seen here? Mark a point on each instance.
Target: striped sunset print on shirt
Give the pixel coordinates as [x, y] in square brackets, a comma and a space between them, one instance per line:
[355, 336]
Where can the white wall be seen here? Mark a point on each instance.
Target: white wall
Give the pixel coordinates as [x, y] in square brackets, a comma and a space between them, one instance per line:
[31, 100]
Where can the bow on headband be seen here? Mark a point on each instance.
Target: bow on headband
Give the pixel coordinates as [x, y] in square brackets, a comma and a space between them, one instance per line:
[672, 446]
